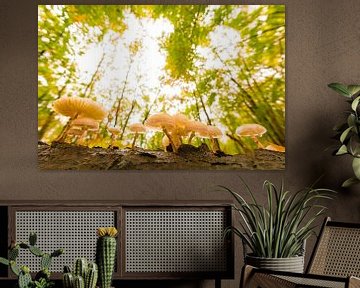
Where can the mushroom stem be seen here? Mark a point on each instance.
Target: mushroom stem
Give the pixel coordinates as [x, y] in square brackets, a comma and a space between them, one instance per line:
[81, 139]
[63, 133]
[133, 143]
[170, 139]
[258, 143]
[191, 137]
[216, 145]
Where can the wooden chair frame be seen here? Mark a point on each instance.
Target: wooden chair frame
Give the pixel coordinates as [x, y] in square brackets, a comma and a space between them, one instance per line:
[254, 277]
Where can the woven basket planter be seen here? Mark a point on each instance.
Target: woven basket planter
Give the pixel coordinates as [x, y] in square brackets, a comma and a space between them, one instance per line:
[291, 264]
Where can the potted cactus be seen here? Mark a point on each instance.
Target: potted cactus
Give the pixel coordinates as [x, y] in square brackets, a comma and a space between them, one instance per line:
[42, 278]
[84, 275]
[106, 254]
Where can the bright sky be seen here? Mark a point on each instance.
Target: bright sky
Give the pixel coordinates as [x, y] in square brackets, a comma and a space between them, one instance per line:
[149, 62]
[147, 68]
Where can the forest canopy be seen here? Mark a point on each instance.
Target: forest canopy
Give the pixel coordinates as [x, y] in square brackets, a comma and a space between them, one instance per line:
[222, 65]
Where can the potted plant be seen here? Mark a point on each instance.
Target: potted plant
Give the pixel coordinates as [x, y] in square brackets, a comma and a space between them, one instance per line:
[42, 278]
[276, 233]
[349, 132]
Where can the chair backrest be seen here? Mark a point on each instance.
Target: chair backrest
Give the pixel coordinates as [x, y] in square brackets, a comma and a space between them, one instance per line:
[337, 251]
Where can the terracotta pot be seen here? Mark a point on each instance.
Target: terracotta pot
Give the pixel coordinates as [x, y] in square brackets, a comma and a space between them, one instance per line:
[291, 264]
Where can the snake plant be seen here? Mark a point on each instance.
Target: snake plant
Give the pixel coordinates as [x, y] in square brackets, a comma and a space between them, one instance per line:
[279, 228]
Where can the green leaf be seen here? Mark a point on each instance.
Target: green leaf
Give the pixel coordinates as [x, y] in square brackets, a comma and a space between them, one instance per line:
[342, 150]
[356, 167]
[4, 261]
[353, 89]
[349, 182]
[340, 88]
[355, 103]
[354, 145]
[345, 134]
[351, 120]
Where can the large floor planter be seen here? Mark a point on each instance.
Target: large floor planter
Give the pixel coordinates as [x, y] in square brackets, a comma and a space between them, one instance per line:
[291, 264]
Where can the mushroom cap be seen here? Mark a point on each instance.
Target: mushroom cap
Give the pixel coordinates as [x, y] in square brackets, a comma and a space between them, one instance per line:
[214, 132]
[77, 106]
[75, 132]
[137, 128]
[160, 121]
[198, 127]
[181, 124]
[210, 132]
[274, 147]
[85, 122]
[113, 130]
[180, 119]
[251, 130]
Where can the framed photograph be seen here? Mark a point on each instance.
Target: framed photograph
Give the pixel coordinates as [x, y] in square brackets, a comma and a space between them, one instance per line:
[161, 87]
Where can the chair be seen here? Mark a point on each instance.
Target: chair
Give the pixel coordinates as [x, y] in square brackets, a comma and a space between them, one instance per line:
[335, 262]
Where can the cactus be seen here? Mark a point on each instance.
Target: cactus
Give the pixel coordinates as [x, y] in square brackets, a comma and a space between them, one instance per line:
[32, 238]
[68, 280]
[106, 254]
[13, 253]
[45, 261]
[24, 280]
[67, 269]
[36, 251]
[80, 267]
[43, 274]
[4, 261]
[88, 273]
[14, 268]
[23, 273]
[79, 282]
[57, 252]
[91, 276]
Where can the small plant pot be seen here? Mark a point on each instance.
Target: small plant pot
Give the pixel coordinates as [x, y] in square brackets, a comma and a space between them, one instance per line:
[291, 264]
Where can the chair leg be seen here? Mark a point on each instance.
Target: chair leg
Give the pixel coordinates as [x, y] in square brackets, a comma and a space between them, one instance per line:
[217, 283]
[246, 274]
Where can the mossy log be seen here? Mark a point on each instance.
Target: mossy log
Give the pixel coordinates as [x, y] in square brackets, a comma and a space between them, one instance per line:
[63, 156]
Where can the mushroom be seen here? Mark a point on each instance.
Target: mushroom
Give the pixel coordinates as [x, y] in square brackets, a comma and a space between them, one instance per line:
[274, 147]
[181, 124]
[75, 132]
[75, 107]
[85, 125]
[196, 128]
[212, 133]
[114, 132]
[166, 142]
[162, 122]
[137, 128]
[253, 131]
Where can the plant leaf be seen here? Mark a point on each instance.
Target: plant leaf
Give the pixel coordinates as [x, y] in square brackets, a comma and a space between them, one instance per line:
[355, 103]
[349, 182]
[356, 167]
[345, 134]
[342, 150]
[353, 89]
[340, 88]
